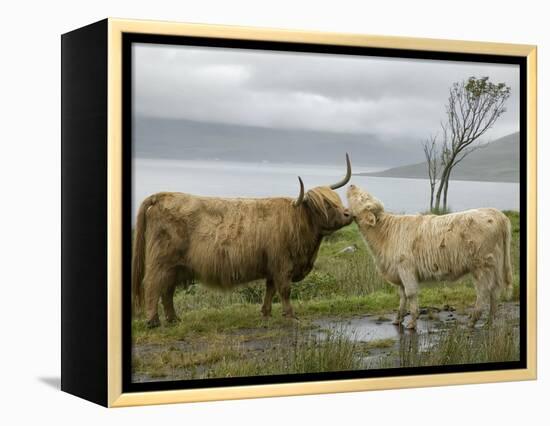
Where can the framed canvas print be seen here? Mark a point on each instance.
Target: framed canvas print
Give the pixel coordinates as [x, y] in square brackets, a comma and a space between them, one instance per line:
[254, 212]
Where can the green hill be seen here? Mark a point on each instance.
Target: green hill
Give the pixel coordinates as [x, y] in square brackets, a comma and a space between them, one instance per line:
[496, 162]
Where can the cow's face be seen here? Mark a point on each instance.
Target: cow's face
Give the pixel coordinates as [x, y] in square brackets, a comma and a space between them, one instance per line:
[324, 205]
[327, 209]
[364, 207]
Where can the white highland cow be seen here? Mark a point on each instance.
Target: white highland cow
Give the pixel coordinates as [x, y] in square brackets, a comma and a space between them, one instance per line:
[409, 249]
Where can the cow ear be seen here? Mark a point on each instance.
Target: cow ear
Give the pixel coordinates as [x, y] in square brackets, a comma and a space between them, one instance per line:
[367, 219]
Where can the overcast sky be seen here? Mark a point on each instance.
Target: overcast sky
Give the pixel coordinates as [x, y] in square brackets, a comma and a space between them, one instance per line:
[401, 99]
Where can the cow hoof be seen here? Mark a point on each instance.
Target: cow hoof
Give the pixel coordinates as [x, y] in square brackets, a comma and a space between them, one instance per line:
[154, 323]
[291, 317]
[411, 326]
[173, 320]
[472, 322]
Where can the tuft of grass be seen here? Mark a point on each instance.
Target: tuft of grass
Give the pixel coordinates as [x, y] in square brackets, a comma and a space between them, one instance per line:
[460, 345]
[458, 295]
[380, 344]
[354, 272]
[172, 362]
[210, 322]
[299, 355]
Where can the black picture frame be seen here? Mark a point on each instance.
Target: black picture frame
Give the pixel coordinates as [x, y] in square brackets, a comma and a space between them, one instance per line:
[128, 39]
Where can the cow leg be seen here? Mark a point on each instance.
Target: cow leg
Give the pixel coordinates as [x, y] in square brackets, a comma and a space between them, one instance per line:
[481, 284]
[476, 313]
[168, 302]
[493, 298]
[151, 296]
[402, 306]
[155, 283]
[410, 285]
[268, 298]
[492, 306]
[283, 287]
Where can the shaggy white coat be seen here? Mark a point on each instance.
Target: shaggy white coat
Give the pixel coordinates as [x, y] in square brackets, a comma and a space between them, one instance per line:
[409, 249]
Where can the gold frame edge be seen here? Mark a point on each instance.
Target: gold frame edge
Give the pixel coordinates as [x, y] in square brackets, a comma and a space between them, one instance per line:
[116, 27]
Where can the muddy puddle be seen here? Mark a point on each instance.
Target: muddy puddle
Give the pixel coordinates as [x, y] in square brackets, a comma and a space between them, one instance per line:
[384, 340]
[431, 321]
[378, 329]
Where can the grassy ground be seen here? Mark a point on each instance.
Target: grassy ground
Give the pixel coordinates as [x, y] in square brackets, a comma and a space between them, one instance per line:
[223, 334]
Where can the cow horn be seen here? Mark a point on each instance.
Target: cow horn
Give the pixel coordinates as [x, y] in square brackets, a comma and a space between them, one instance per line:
[346, 179]
[300, 198]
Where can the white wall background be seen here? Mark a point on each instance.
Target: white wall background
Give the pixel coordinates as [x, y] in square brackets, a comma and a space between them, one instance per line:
[30, 211]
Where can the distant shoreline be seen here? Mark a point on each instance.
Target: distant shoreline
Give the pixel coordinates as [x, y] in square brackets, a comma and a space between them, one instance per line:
[462, 178]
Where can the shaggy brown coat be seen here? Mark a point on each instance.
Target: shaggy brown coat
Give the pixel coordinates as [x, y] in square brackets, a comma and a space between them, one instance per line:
[224, 242]
[409, 249]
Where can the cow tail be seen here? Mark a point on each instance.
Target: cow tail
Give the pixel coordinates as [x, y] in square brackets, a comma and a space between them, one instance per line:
[507, 264]
[138, 252]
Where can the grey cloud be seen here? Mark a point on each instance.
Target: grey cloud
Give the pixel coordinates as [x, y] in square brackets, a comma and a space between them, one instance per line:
[387, 97]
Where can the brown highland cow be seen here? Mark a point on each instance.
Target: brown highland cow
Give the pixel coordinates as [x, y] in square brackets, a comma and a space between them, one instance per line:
[224, 242]
[409, 249]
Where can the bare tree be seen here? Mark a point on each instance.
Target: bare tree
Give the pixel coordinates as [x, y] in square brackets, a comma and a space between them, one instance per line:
[432, 163]
[473, 108]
